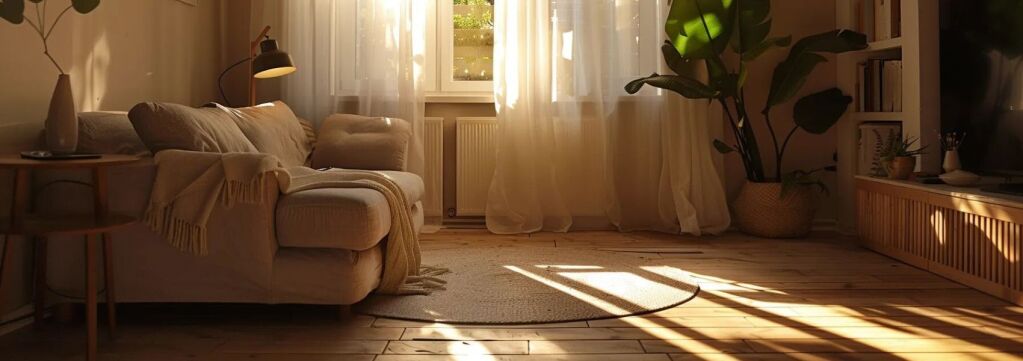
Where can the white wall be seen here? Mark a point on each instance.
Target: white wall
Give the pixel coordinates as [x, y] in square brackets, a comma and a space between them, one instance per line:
[124, 52]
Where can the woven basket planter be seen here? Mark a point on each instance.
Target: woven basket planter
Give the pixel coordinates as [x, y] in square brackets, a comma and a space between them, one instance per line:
[760, 210]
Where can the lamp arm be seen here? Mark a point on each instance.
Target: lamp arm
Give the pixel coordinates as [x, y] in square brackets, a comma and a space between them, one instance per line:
[220, 80]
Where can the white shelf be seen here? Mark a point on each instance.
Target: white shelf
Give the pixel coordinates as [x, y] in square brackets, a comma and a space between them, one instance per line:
[877, 116]
[973, 193]
[886, 48]
[881, 45]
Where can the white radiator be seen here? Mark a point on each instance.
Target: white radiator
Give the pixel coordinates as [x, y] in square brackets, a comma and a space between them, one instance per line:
[476, 144]
[433, 172]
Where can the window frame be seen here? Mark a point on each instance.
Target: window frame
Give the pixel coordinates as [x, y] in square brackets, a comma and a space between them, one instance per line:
[445, 58]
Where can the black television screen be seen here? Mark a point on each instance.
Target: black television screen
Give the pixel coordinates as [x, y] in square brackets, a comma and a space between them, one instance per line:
[982, 82]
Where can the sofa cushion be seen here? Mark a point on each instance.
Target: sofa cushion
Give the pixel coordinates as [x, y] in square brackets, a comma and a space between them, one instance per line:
[358, 142]
[165, 126]
[108, 133]
[344, 218]
[274, 129]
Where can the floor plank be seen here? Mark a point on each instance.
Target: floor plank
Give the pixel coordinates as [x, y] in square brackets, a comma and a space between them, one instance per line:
[821, 298]
[458, 347]
[584, 347]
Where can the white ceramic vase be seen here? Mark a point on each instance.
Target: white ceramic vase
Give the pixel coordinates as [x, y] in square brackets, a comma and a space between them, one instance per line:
[62, 120]
[951, 163]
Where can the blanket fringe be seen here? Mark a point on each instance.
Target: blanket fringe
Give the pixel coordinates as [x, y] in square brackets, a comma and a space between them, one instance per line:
[250, 192]
[425, 283]
[181, 234]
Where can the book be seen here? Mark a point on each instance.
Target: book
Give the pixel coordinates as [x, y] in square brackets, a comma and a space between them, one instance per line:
[888, 89]
[896, 89]
[896, 18]
[879, 85]
[882, 20]
[865, 18]
[876, 84]
[47, 155]
[861, 87]
[887, 19]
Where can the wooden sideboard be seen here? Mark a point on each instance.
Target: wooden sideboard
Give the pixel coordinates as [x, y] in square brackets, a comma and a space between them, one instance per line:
[963, 234]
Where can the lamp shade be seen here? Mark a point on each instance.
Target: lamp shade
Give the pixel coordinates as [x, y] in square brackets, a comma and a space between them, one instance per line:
[271, 61]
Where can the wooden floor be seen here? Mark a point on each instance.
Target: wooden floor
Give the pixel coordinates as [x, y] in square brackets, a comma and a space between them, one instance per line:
[814, 299]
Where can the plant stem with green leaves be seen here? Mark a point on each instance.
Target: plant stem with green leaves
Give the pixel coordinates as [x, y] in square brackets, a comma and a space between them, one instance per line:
[14, 12]
[700, 31]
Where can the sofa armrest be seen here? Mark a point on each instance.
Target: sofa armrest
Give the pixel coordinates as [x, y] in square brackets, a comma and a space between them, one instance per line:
[242, 243]
[358, 142]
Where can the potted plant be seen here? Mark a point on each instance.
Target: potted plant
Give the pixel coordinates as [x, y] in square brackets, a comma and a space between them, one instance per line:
[61, 120]
[897, 158]
[699, 33]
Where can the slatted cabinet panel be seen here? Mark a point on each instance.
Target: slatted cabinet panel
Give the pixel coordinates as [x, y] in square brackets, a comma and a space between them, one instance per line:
[973, 242]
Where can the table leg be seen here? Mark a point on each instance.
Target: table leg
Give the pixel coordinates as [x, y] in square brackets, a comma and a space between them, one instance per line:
[19, 204]
[22, 198]
[108, 279]
[40, 280]
[99, 192]
[5, 259]
[90, 296]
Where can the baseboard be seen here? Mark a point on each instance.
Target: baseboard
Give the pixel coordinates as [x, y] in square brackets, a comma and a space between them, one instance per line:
[23, 317]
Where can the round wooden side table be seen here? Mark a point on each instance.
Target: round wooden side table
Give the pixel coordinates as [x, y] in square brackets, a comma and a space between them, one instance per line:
[93, 227]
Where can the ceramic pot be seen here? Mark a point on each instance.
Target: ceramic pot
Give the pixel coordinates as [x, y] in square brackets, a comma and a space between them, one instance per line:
[62, 120]
[901, 167]
[951, 163]
[761, 210]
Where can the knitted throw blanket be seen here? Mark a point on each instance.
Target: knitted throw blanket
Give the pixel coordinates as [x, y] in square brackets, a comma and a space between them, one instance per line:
[189, 184]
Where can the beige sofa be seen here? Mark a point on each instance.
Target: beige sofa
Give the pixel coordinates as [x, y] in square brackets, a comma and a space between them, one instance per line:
[321, 246]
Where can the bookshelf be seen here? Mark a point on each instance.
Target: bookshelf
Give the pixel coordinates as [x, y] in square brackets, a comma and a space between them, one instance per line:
[917, 47]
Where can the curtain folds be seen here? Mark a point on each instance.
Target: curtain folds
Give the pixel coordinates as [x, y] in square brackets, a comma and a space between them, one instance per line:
[574, 150]
[358, 56]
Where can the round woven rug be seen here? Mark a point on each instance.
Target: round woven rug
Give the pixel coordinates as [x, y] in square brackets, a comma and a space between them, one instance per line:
[520, 285]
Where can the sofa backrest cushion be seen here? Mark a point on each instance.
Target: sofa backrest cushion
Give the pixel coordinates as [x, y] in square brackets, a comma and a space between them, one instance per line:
[358, 142]
[108, 133]
[165, 126]
[274, 129]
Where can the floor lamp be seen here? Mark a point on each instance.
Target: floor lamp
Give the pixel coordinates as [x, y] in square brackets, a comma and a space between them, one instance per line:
[271, 62]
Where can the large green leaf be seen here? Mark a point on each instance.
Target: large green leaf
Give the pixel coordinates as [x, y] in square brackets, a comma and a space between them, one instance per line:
[752, 22]
[764, 46]
[699, 29]
[674, 60]
[12, 11]
[84, 6]
[791, 74]
[684, 86]
[818, 112]
[722, 148]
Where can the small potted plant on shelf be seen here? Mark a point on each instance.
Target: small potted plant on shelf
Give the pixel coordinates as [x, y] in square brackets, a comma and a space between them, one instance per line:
[776, 204]
[897, 158]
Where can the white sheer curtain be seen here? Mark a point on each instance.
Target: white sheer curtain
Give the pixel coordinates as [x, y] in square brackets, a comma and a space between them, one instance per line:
[358, 56]
[574, 150]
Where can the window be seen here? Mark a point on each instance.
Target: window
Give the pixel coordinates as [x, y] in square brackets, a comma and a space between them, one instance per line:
[632, 45]
[459, 45]
[466, 37]
[458, 49]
